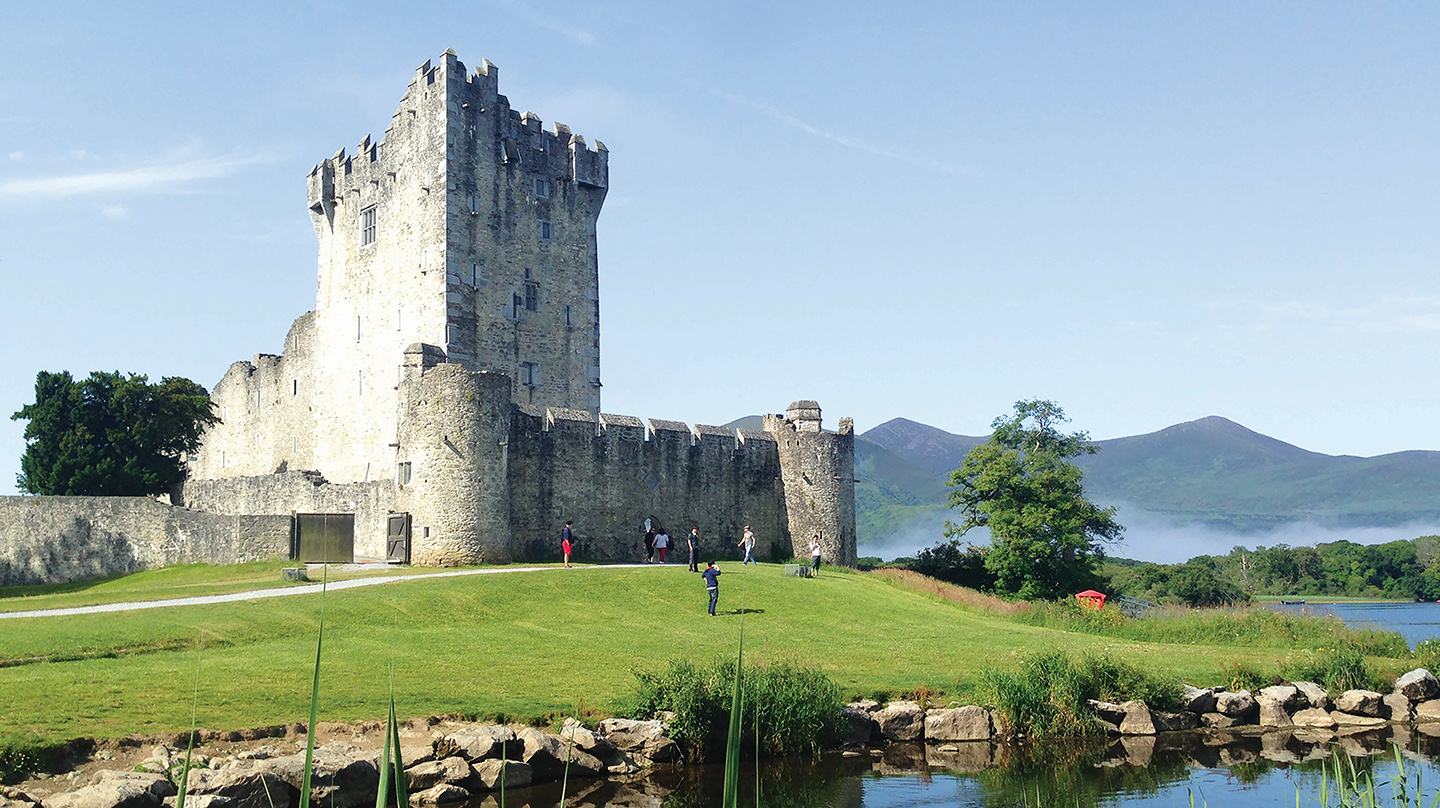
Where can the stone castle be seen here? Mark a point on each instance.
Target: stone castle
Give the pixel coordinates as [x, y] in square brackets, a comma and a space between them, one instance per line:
[446, 388]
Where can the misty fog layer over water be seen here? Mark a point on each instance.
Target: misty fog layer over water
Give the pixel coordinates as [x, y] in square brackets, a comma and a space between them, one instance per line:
[1154, 537]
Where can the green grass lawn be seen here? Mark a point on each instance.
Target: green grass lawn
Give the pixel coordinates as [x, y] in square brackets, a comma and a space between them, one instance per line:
[520, 644]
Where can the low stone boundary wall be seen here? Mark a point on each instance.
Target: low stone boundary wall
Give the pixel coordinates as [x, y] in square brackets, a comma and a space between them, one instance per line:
[46, 540]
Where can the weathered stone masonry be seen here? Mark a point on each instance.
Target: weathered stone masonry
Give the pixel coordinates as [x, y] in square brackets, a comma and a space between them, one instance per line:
[451, 368]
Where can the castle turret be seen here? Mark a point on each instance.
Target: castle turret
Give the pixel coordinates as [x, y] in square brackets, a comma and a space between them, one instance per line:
[818, 470]
[452, 460]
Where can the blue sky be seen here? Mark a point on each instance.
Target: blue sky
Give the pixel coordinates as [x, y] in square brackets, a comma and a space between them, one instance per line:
[1148, 212]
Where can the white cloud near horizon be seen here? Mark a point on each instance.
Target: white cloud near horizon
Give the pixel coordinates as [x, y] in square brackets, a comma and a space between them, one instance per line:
[848, 142]
[157, 178]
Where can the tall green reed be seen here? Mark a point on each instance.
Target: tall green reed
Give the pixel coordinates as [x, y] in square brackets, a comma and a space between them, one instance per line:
[314, 697]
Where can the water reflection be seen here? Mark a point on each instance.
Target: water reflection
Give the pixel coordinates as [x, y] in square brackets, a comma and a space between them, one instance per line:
[1234, 769]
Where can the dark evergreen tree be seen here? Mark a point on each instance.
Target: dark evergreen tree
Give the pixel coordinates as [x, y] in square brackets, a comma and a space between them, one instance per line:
[110, 434]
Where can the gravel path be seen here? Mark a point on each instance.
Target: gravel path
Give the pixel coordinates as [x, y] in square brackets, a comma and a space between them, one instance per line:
[257, 594]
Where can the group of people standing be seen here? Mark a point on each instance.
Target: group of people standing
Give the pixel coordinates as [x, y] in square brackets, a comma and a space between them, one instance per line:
[657, 541]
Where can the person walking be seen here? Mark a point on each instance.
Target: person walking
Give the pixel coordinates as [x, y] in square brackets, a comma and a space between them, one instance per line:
[567, 538]
[748, 542]
[649, 544]
[814, 556]
[662, 541]
[693, 541]
[712, 584]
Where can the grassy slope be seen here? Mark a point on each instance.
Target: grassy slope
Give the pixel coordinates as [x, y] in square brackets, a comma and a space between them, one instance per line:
[521, 644]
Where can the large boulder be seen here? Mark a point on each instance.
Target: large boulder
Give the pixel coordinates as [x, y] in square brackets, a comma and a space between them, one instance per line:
[1428, 710]
[642, 739]
[1240, 705]
[342, 776]
[440, 794]
[112, 789]
[1316, 695]
[1312, 717]
[1359, 702]
[1396, 707]
[1174, 721]
[1343, 719]
[901, 721]
[548, 756]
[478, 742]
[487, 774]
[1138, 720]
[1418, 685]
[1289, 696]
[423, 776]
[859, 726]
[1198, 700]
[246, 783]
[958, 724]
[1109, 713]
[616, 762]
[1219, 720]
[1272, 711]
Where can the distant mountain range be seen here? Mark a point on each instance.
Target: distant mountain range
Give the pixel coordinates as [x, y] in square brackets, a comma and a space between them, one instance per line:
[1212, 473]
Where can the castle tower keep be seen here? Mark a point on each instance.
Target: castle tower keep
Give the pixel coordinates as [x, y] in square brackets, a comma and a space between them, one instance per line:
[449, 375]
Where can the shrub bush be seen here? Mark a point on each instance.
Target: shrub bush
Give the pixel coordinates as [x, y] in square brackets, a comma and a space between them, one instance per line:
[1049, 694]
[1427, 654]
[1338, 670]
[798, 708]
[22, 757]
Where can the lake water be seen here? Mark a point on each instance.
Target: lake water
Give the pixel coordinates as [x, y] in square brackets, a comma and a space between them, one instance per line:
[1248, 771]
[1414, 621]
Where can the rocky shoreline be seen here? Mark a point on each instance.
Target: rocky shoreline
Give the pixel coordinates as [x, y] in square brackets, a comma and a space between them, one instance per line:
[449, 761]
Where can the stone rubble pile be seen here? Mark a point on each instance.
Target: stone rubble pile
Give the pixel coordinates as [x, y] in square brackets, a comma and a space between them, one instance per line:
[461, 762]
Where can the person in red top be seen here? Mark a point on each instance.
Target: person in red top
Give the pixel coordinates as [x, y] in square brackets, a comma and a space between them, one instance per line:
[565, 542]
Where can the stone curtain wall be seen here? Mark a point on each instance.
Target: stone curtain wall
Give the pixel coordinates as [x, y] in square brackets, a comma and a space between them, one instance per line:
[56, 539]
[610, 476]
[300, 492]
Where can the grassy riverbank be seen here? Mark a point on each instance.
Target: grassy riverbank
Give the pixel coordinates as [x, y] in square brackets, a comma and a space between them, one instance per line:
[518, 644]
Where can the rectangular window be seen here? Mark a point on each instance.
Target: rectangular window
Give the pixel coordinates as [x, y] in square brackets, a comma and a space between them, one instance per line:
[475, 274]
[357, 328]
[542, 188]
[294, 387]
[529, 374]
[516, 304]
[402, 473]
[546, 231]
[360, 382]
[473, 202]
[532, 296]
[398, 319]
[367, 226]
[569, 320]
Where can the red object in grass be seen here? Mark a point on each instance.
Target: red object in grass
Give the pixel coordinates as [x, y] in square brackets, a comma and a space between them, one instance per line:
[1090, 599]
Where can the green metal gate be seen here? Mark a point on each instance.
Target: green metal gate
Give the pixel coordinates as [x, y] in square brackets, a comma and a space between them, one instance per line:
[324, 538]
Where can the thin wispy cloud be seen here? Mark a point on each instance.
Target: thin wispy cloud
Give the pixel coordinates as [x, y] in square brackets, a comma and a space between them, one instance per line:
[114, 211]
[578, 36]
[155, 178]
[914, 160]
[1390, 313]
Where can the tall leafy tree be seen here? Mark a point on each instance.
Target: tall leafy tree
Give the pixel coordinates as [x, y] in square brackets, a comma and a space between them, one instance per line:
[110, 434]
[1045, 535]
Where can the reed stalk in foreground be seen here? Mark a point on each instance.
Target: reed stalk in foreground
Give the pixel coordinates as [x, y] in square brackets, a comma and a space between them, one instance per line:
[314, 697]
[731, 795]
[190, 744]
[392, 766]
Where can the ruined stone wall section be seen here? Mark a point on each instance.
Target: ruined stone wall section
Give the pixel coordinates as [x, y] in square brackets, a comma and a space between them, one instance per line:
[46, 540]
[818, 469]
[301, 492]
[455, 426]
[612, 473]
[522, 283]
[267, 413]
